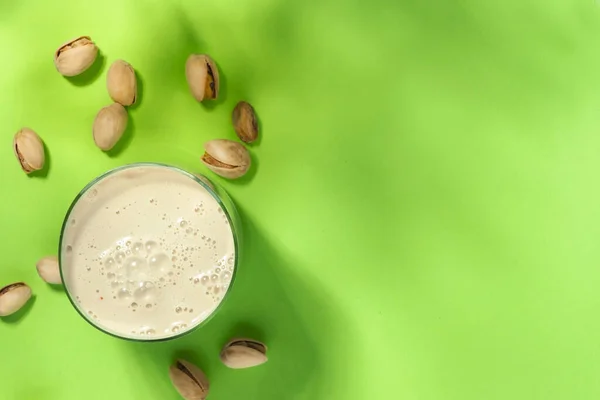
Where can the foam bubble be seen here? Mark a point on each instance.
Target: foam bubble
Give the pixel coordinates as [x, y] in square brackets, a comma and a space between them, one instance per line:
[137, 247]
[151, 246]
[120, 256]
[146, 292]
[159, 264]
[134, 268]
[123, 294]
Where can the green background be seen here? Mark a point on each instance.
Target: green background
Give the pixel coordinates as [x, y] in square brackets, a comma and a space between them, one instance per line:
[422, 218]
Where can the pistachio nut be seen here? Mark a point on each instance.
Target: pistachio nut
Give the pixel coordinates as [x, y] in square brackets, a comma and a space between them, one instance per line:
[109, 125]
[49, 270]
[75, 56]
[244, 353]
[29, 150]
[13, 297]
[245, 122]
[202, 76]
[121, 83]
[189, 380]
[226, 158]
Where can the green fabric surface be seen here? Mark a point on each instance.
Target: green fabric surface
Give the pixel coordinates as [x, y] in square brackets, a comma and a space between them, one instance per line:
[421, 221]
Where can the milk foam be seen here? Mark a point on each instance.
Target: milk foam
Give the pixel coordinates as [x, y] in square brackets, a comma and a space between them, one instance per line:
[147, 253]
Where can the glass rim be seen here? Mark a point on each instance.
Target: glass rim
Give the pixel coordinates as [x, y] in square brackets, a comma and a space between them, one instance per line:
[207, 187]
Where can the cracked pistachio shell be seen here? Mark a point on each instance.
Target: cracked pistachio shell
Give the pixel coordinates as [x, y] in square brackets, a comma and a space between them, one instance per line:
[189, 380]
[202, 76]
[75, 56]
[245, 122]
[244, 353]
[13, 297]
[121, 83]
[29, 150]
[109, 125]
[49, 270]
[226, 158]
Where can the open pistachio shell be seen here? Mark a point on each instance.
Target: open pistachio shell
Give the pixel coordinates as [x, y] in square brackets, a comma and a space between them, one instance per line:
[189, 380]
[226, 158]
[49, 270]
[244, 353]
[202, 76]
[13, 297]
[75, 56]
[29, 150]
[121, 83]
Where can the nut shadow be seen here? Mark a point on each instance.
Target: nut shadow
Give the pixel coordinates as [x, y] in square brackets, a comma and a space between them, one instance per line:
[43, 173]
[56, 288]
[125, 140]
[19, 315]
[91, 74]
[140, 91]
[196, 46]
[259, 306]
[246, 329]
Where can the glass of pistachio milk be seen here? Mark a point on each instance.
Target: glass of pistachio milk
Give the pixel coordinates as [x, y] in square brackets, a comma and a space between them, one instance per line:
[149, 252]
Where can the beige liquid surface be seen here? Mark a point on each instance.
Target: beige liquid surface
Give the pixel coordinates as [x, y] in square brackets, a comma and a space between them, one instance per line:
[147, 253]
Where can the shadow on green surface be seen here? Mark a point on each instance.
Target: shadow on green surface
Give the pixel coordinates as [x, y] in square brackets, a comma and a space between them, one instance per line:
[56, 288]
[259, 122]
[43, 173]
[16, 317]
[140, 91]
[188, 36]
[90, 75]
[268, 302]
[125, 140]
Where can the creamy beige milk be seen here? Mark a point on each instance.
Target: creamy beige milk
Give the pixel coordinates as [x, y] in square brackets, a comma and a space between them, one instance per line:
[147, 253]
